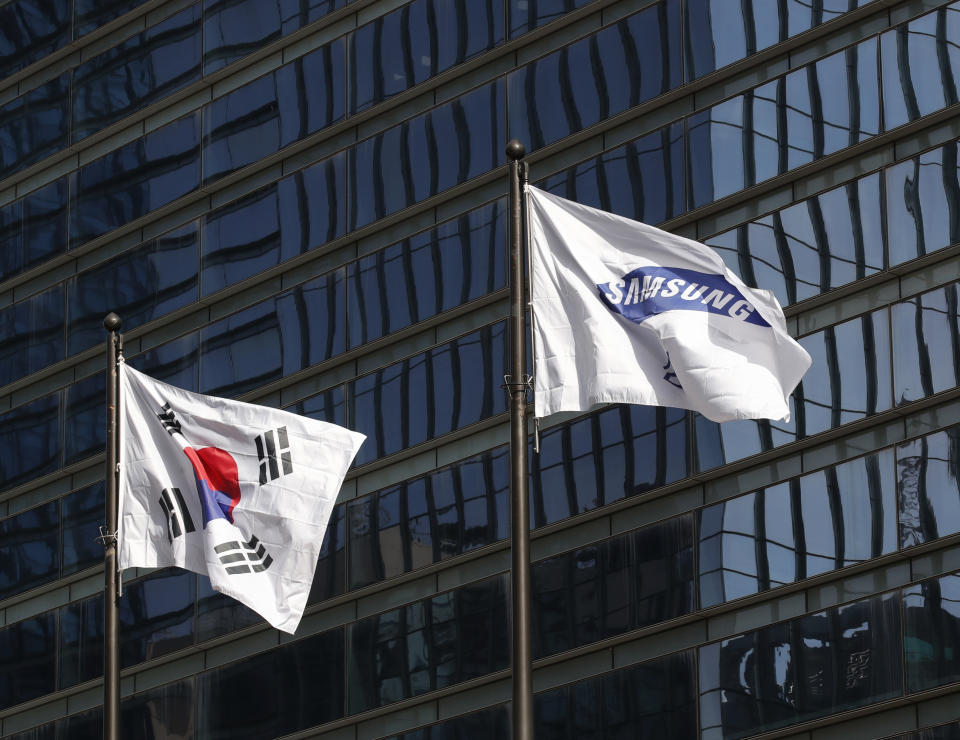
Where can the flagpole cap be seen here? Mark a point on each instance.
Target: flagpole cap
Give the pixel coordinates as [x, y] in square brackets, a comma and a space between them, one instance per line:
[112, 322]
[515, 150]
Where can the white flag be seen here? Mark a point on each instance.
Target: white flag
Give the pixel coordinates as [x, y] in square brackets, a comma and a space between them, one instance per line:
[627, 313]
[238, 492]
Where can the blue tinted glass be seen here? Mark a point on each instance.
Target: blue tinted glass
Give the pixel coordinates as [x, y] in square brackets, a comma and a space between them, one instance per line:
[30, 30]
[403, 165]
[137, 72]
[135, 179]
[420, 40]
[143, 284]
[927, 480]
[427, 274]
[329, 579]
[526, 15]
[607, 73]
[156, 615]
[273, 224]
[28, 659]
[85, 418]
[82, 515]
[12, 257]
[29, 549]
[642, 180]
[426, 395]
[32, 332]
[810, 247]
[427, 645]
[614, 454]
[291, 688]
[174, 362]
[274, 338]
[926, 332]
[30, 436]
[45, 223]
[921, 61]
[923, 204]
[81, 641]
[329, 405]
[91, 14]
[931, 612]
[34, 125]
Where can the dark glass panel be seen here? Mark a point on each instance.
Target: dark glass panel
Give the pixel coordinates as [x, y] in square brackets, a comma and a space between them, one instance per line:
[928, 487]
[590, 80]
[525, 15]
[614, 586]
[653, 699]
[422, 276]
[419, 41]
[139, 71]
[931, 612]
[44, 223]
[926, 344]
[429, 519]
[30, 439]
[491, 722]
[234, 28]
[82, 515]
[274, 338]
[35, 125]
[81, 641]
[135, 179]
[85, 414]
[33, 334]
[141, 285]
[28, 659]
[287, 218]
[43, 732]
[920, 64]
[29, 549]
[810, 667]
[173, 362]
[165, 712]
[427, 395]
[941, 732]
[430, 644]
[811, 247]
[89, 15]
[218, 614]
[29, 30]
[614, 454]
[12, 256]
[156, 615]
[330, 576]
[923, 203]
[329, 405]
[780, 534]
[287, 689]
[84, 726]
[444, 147]
[642, 180]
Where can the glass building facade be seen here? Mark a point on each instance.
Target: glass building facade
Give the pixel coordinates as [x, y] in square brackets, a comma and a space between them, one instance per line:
[302, 203]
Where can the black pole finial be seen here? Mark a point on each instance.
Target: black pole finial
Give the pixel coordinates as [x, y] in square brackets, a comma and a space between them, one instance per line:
[515, 150]
[112, 322]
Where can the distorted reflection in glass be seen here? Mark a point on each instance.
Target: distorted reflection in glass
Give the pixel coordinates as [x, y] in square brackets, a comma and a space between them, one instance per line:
[809, 667]
[614, 586]
[921, 61]
[590, 80]
[416, 42]
[642, 180]
[175, 362]
[31, 436]
[29, 548]
[330, 575]
[164, 712]
[718, 444]
[840, 516]
[82, 515]
[88, 15]
[28, 659]
[926, 342]
[931, 616]
[85, 418]
[218, 614]
[81, 641]
[929, 487]
[923, 203]
[810, 247]
[525, 15]
[157, 615]
[428, 273]
[428, 645]
[44, 223]
[652, 699]
[30, 30]
[34, 125]
[33, 334]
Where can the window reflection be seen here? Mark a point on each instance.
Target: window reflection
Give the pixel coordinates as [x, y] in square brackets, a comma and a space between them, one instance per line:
[526, 15]
[82, 515]
[30, 31]
[175, 362]
[926, 333]
[156, 616]
[928, 486]
[30, 437]
[34, 228]
[81, 641]
[839, 516]
[91, 14]
[218, 614]
[85, 418]
[165, 712]
[330, 576]
[931, 612]
[34, 125]
[33, 335]
[28, 659]
[490, 722]
[29, 549]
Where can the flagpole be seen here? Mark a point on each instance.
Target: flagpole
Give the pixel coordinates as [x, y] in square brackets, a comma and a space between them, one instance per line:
[517, 383]
[108, 534]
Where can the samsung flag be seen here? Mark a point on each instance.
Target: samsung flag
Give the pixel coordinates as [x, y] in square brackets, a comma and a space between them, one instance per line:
[625, 312]
[237, 492]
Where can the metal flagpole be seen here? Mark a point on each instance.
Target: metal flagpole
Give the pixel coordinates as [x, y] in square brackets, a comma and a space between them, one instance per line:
[517, 383]
[108, 534]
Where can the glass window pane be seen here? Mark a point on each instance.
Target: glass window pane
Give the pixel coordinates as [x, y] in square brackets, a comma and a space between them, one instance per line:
[29, 549]
[85, 414]
[44, 223]
[34, 125]
[926, 332]
[927, 480]
[156, 615]
[931, 612]
[30, 30]
[526, 15]
[33, 334]
[91, 14]
[28, 659]
[164, 712]
[175, 362]
[30, 437]
[82, 513]
[329, 578]
[218, 614]
[81, 641]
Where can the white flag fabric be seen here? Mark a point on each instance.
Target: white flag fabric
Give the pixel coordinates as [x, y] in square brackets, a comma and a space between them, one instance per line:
[238, 492]
[627, 313]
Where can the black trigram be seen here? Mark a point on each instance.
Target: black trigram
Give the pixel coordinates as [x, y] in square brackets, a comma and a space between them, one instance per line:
[244, 557]
[169, 420]
[173, 505]
[273, 449]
